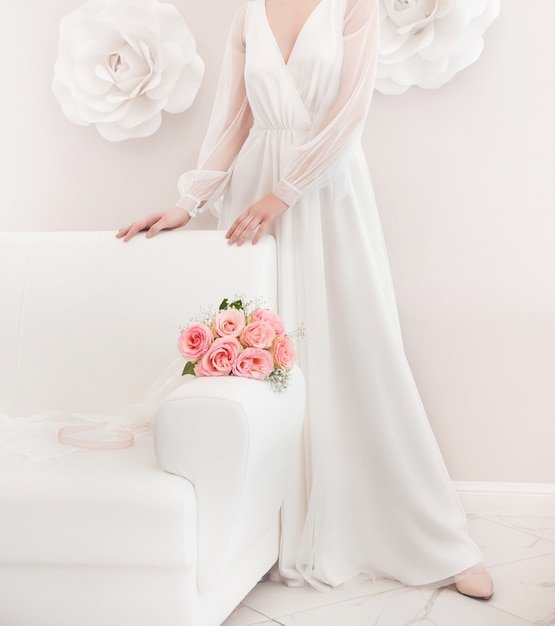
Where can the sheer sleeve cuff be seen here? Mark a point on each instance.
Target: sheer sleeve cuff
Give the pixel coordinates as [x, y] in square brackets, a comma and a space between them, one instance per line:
[190, 204]
[286, 192]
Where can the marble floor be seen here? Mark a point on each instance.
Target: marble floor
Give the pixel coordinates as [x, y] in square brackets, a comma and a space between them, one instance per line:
[519, 551]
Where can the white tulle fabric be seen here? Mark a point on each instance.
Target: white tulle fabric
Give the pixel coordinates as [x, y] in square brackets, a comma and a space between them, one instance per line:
[371, 495]
[53, 434]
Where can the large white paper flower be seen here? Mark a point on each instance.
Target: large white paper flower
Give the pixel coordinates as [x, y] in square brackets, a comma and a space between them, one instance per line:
[426, 42]
[121, 62]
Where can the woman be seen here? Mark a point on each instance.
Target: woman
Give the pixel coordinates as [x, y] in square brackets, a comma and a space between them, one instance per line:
[283, 154]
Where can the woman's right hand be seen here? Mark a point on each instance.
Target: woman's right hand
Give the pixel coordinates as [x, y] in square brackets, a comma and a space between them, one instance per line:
[155, 222]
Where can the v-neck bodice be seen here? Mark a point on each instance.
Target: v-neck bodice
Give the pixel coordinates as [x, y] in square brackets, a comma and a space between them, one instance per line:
[298, 93]
[299, 34]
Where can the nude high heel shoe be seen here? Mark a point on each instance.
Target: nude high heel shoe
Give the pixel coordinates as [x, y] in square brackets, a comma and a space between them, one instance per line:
[475, 582]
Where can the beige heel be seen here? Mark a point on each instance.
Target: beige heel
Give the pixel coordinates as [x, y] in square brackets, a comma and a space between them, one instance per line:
[475, 582]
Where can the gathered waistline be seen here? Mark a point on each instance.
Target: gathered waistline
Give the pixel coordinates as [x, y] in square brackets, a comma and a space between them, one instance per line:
[276, 129]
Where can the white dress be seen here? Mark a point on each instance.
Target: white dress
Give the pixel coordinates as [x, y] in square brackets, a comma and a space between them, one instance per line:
[371, 494]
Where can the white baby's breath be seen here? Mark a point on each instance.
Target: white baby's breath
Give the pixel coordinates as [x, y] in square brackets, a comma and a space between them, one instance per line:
[280, 379]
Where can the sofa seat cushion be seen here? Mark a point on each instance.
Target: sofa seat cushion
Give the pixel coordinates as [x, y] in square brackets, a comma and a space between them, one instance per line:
[93, 507]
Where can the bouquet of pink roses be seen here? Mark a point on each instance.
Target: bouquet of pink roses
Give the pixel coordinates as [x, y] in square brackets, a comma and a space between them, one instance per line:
[239, 340]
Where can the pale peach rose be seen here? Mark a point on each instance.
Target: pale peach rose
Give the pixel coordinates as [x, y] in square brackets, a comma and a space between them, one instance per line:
[284, 353]
[229, 323]
[258, 334]
[265, 315]
[254, 363]
[194, 341]
[220, 357]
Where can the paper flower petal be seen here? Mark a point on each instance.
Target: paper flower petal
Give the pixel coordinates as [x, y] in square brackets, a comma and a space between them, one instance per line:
[427, 42]
[121, 63]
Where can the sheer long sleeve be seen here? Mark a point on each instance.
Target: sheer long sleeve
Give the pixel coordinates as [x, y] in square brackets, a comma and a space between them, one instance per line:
[229, 126]
[312, 162]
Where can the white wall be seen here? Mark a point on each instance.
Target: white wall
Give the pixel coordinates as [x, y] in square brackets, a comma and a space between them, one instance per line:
[464, 180]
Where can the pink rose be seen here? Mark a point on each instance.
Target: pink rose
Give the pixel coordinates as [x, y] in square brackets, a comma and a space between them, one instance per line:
[220, 357]
[194, 341]
[229, 323]
[265, 315]
[258, 334]
[254, 363]
[284, 352]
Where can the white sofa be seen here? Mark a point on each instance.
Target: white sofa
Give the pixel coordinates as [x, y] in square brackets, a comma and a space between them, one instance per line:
[106, 537]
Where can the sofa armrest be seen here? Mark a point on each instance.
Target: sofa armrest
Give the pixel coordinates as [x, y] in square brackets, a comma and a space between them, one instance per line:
[235, 440]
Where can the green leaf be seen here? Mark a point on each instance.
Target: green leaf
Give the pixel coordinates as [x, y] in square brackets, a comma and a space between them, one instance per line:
[224, 304]
[238, 304]
[188, 369]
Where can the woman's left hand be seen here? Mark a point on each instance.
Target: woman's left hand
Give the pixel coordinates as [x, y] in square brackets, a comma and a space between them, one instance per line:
[256, 218]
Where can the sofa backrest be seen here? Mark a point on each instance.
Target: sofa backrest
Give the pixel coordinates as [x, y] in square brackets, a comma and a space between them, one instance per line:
[88, 322]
